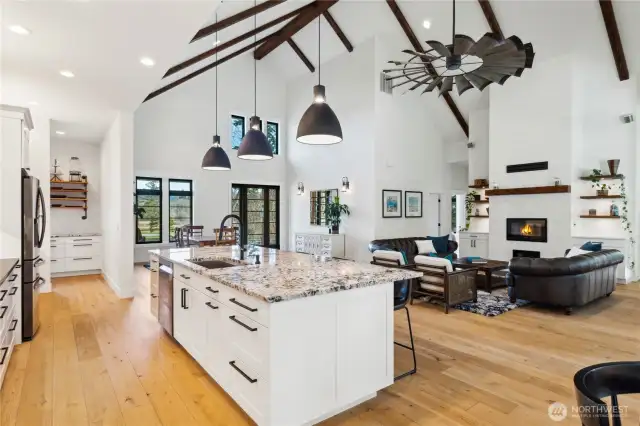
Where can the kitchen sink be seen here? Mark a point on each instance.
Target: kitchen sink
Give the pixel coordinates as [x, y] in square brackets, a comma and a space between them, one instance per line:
[212, 264]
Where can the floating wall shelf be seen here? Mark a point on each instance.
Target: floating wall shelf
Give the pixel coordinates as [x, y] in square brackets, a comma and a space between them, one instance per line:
[587, 216]
[599, 197]
[479, 186]
[602, 177]
[479, 215]
[64, 187]
[556, 189]
[481, 201]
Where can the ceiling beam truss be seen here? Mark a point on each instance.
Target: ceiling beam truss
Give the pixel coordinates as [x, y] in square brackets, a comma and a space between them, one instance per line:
[336, 28]
[417, 46]
[301, 55]
[491, 17]
[606, 6]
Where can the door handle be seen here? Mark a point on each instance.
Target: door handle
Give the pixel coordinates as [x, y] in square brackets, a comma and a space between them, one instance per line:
[211, 306]
[233, 364]
[39, 262]
[233, 318]
[182, 298]
[15, 324]
[82, 245]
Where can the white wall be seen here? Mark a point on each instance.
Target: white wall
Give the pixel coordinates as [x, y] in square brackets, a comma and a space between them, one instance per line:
[116, 201]
[175, 130]
[479, 136]
[350, 83]
[69, 221]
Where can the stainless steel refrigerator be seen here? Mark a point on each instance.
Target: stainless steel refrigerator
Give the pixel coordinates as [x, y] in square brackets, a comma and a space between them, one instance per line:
[34, 222]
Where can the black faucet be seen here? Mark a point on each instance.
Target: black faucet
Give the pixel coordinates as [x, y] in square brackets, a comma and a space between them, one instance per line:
[236, 217]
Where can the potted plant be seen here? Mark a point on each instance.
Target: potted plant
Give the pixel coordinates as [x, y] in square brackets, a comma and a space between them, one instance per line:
[139, 212]
[333, 213]
[469, 202]
[602, 189]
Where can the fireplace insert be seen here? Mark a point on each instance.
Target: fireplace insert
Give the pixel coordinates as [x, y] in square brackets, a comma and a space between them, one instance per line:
[534, 230]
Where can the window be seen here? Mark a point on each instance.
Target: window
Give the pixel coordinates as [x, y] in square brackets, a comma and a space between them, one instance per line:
[149, 210]
[258, 206]
[237, 131]
[273, 136]
[180, 205]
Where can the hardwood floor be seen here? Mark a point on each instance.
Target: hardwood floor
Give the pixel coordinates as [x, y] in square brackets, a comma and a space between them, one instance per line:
[99, 360]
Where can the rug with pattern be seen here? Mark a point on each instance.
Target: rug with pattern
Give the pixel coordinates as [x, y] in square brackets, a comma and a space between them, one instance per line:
[489, 305]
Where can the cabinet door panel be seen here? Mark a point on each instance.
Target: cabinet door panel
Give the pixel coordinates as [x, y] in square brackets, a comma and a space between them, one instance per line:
[180, 319]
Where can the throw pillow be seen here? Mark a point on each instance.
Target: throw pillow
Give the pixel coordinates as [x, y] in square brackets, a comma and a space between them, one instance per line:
[425, 246]
[591, 246]
[441, 244]
[575, 251]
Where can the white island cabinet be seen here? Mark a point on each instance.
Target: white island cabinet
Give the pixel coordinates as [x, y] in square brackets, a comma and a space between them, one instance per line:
[288, 352]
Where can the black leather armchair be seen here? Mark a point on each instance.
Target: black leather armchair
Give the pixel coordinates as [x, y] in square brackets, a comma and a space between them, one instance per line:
[408, 245]
[564, 281]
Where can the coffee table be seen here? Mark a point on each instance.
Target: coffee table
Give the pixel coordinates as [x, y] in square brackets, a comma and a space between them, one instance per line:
[487, 268]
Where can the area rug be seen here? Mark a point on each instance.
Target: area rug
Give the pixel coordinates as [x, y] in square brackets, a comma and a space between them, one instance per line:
[489, 305]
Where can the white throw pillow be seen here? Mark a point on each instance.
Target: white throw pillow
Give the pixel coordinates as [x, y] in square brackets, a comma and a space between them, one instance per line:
[425, 246]
[575, 251]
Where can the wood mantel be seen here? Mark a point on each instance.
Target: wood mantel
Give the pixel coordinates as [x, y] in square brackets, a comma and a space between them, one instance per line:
[556, 189]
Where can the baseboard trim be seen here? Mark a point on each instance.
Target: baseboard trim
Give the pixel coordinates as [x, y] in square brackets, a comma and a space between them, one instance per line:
[75, 273]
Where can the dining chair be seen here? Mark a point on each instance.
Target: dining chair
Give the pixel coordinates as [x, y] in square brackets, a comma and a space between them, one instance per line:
[177, 236]
[608, 380]
[229, 235]
[194, 230]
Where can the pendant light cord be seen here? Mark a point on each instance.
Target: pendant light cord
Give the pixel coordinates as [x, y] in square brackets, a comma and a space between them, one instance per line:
[255, 72]
[453, 30]
[319, 66]
[217, 74]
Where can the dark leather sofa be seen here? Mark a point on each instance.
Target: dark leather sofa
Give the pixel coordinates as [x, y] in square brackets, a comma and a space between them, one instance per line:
[408, 245]
[564, 281]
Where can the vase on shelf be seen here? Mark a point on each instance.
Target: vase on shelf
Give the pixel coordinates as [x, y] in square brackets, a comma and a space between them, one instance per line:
[602, 192]
[613, 166]
[614, 211]
[592, 212]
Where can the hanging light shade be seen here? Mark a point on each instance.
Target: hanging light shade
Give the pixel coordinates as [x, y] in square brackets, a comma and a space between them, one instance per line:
[216, 158]
[254, 145]
[319, 125]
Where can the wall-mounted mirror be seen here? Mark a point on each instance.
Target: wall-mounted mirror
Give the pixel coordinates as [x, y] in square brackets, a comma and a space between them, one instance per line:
[318, 202]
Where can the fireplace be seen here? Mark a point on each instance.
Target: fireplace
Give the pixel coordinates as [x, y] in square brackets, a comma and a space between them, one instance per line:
[534, 230]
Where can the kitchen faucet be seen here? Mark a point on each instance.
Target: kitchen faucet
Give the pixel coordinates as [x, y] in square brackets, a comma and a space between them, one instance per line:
[236, 217]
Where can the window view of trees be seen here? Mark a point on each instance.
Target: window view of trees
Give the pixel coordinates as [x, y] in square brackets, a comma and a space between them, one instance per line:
[149, 210]
[258, 206]
[180, 205]
[237, 131]
[272, 136]
[272, 132]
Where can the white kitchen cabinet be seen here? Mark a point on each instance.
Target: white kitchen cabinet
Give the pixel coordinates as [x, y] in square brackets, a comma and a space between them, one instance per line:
[323, 244]
[10, 317]
[76, 255]
[474, 244]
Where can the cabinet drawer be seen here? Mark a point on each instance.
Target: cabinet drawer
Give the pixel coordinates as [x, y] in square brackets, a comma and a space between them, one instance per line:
[247, 338]
[153, 303]
[251, 307]
[57, 250]
[57, 265]
[82, 249]
[248, 388]
[6, 349]
[81, 240]
[84, 263]
[202, 284]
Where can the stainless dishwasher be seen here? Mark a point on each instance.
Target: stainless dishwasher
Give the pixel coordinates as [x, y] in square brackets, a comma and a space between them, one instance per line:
[165, 295]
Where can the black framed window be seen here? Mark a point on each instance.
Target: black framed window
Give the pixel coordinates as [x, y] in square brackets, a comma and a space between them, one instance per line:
[237, 130]
[180, 205]
[273, 136]
[259, 208]
[149, 210]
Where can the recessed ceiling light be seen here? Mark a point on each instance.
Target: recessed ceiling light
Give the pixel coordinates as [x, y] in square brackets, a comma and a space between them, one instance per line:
[147, 62]
[60, 132]
[426, 24]
[67, 73]
[19, 29]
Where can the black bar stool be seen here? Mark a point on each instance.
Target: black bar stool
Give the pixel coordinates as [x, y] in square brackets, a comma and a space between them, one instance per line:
[401, 295]
[605, 380]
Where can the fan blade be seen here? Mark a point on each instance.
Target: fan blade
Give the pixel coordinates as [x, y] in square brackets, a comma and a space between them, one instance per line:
[404, 69]
[422, 55]
[462, 84]
[502, 69]
[494, 76]
[433, 84]
[416, 74]
[462, 44]
[478, 82]
[486, 43]
[515, 60]
[447, 84]
[420, 83]
[439, 47]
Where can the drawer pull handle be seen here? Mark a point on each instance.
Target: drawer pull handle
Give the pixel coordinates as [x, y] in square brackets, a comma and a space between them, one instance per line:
[83, 239]
[233, 300]
[231, 363]
[82, 245]
[185, 276]
[13, 291]
[53, 246]
[4, 310]
[233, 318]
[4, 355]
[82, 258]
[13, 277]
[154, 296]
[211, 306]
[15, 324]
[39, 262]
[4, 293]
[212, 290]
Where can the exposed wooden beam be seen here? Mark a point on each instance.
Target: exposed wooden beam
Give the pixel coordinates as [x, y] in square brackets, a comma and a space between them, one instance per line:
[232, 42]
[301, 55]
[204, 69]
[338, 31]
[614, 39]
[241, 16]
[418, 48]
[491, 17]
[289, 30]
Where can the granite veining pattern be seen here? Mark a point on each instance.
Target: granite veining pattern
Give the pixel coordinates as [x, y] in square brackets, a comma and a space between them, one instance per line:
[282, 275]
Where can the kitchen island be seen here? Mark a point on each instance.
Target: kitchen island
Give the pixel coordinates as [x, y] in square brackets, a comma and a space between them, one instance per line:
[291, 340]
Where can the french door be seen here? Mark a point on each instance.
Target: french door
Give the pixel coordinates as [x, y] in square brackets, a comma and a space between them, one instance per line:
[259, 208]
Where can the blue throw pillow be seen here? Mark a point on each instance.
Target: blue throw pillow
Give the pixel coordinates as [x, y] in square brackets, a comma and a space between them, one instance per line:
[591, 246]
[449, 257]
[441, 244]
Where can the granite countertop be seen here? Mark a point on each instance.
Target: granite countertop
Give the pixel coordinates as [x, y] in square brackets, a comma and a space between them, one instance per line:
[283, 275]
[6, 266]
[90, 234]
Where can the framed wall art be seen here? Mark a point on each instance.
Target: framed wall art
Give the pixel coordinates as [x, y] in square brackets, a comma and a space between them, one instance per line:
[391, 203]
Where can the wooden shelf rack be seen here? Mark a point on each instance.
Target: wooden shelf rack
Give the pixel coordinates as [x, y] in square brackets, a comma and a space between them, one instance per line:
[602, 177]
[597, 216]
[65, 187]
[556, 189]
[599, 197]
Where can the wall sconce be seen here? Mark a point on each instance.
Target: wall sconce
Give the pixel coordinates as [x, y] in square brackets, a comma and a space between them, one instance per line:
[345, 184]
[300, 188]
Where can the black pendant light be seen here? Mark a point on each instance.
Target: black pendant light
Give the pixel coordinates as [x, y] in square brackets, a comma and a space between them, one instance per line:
[216, 158]
[254, 145]
[319, 125]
